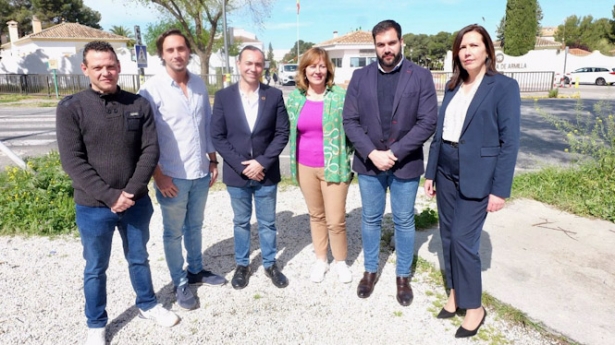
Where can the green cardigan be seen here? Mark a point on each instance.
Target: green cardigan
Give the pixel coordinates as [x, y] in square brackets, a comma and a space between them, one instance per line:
[337, 149]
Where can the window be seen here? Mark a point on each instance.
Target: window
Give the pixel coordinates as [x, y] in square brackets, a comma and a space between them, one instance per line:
[337, 62]
[361, 61]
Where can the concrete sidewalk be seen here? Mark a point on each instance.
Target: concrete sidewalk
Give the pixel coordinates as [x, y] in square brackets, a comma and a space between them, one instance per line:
[557, 268]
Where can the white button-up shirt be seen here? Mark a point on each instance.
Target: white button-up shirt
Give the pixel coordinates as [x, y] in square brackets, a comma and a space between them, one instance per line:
[182, 124]
[250, 106]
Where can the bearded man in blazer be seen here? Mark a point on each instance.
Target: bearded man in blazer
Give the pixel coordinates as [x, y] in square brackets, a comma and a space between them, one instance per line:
[249, 129]
[389, 113]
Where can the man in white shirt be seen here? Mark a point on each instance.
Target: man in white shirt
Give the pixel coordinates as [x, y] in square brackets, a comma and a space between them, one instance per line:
[187, 165]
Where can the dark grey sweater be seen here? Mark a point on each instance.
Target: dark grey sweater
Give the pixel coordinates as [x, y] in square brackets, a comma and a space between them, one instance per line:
[107, 144]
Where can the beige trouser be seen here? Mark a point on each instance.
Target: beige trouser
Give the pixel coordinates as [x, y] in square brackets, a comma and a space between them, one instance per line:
[326, 202]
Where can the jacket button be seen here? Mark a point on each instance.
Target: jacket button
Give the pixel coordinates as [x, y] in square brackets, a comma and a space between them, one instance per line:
[108, 111]
[381, 140]
[462, 141]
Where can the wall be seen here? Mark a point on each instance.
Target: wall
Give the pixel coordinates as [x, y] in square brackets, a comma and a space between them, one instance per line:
[543, 61]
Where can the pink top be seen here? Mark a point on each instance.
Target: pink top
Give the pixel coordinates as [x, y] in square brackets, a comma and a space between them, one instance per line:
[310, 145]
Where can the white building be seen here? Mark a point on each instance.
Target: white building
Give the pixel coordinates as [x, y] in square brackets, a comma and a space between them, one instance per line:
[62, 42]
[349, 52]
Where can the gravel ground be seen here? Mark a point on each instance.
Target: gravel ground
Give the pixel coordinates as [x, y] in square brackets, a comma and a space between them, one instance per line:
[41, 285]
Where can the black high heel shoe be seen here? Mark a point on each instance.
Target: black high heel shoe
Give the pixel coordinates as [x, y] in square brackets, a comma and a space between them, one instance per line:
[445, 314]
[464, 333]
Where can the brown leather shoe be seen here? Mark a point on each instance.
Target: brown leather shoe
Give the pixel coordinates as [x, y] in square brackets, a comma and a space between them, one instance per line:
[366, 285]
[404, 291]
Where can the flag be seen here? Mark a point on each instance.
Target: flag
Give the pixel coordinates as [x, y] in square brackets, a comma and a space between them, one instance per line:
[298, 6]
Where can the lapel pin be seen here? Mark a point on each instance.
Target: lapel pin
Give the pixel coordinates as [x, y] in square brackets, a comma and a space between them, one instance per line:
[263, 98]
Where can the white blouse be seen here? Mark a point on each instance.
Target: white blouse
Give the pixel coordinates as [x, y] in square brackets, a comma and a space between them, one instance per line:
[456, 112]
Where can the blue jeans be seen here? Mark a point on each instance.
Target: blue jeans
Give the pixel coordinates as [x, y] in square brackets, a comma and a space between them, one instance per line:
[183, 216]
[264, 205]
[96, 227]
[373, 199]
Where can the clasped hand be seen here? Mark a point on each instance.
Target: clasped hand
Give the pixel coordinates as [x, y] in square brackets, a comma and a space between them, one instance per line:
[383, 160]
[254, 170]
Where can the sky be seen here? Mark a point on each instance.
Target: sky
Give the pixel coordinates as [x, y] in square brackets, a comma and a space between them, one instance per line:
[319, 18]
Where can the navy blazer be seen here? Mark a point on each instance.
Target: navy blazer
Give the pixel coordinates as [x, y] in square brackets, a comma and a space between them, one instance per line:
[413, 121]
[235, 142]
[489, 139]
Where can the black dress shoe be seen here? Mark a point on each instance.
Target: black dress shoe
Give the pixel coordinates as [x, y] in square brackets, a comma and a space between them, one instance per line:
[404, 291]
[445, 314]
[277, 277]
[241, 277]
[366, 285]
[464, 333]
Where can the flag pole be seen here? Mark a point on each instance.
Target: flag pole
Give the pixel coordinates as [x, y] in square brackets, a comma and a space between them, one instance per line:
[298, 7]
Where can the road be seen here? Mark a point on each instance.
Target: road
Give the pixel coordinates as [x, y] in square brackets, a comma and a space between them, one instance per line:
[31, 131]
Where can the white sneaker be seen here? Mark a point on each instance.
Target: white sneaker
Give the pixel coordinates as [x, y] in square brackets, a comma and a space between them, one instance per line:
[96, 336]
[343, 272]
[318, 271]
[161, 316]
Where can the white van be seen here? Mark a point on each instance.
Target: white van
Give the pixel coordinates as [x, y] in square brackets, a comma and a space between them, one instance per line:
[287, 74]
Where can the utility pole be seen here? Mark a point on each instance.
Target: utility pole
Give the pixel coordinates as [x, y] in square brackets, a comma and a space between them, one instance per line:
[141, 79]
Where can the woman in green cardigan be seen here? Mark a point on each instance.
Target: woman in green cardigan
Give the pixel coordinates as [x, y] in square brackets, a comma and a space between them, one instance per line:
[320, 159]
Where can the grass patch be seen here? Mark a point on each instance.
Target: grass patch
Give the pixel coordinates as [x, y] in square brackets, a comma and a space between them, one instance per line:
[38, 201]
[427, 219]
[586, 190]
[11, 98]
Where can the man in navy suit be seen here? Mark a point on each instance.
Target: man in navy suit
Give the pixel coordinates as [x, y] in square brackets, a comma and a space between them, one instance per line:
[249, 130]
[389, 113]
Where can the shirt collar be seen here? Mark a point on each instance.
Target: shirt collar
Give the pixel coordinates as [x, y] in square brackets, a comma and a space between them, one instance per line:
[398, 66]
[243, 94]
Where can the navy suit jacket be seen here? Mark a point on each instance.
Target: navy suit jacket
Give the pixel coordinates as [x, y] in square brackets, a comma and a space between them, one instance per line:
[413, 121]
[489, 139]
[235, 142]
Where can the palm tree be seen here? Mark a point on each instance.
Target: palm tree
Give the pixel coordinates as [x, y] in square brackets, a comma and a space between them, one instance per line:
[124, 31]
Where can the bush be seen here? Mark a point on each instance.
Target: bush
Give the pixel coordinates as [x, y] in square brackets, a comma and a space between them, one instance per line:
[553, 93]
[589, 188]
[39, 201]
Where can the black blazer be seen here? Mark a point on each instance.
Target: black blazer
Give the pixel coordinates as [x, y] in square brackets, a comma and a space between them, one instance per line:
[235, 142]
[415, 111]
[489, 139]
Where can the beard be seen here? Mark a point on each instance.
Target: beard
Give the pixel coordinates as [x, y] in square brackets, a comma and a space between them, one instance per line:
[393, 63]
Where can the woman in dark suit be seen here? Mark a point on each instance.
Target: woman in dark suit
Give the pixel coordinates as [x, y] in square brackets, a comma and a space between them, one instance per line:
[471, 164]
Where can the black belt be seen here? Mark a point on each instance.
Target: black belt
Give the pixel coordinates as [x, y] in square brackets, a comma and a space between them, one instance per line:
[452, 143]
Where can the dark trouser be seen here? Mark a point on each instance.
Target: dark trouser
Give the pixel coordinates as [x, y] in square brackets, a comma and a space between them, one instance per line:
[461, 223]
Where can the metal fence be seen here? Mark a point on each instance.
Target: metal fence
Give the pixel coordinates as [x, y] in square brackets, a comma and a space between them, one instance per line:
[67, 84]
[528, 81]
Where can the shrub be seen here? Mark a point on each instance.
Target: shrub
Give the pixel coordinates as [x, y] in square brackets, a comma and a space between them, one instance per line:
[39, 201]
[553, 93]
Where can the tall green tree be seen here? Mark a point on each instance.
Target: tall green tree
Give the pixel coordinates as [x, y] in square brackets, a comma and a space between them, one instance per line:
[520, 27]
[270, 57]
[201, 20]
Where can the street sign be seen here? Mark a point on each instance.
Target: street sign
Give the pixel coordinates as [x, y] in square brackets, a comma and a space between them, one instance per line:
[141, 52]
[53, 63]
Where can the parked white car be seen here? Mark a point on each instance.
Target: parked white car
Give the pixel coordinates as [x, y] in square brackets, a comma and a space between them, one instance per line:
[287, 74]
[592, 75]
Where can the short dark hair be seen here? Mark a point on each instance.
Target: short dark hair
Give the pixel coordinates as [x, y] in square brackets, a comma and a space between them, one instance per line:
[98, 46]
[164, 35]
[385, 25]
[459, 73]
[250, 48]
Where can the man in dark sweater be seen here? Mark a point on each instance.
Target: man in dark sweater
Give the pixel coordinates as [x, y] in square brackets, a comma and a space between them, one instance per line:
[389, 112]
[108, 146]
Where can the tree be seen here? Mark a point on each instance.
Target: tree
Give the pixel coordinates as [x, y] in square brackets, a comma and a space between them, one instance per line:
[520, 27]
[124, 31]
[291, 56]
[201, 20]
[52, 12]
[585, 33]
[270, 57]
[428, 50]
